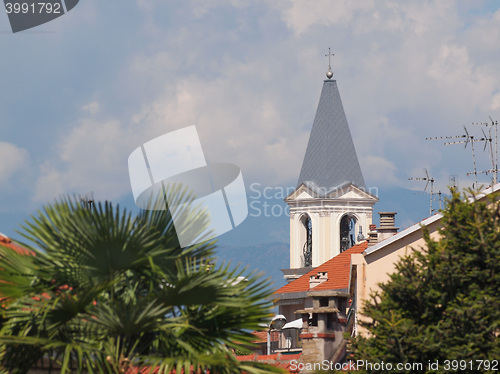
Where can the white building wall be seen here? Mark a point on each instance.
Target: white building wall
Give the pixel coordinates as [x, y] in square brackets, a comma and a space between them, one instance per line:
[325, 214]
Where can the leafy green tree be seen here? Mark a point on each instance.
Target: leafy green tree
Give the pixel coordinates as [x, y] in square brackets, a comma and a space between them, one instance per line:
[105, 291]
[443, 301]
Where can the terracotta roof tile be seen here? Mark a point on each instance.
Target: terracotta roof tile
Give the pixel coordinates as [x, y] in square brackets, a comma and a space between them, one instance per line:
[289, 357]
[273, 357]
[277, 359]
[5, 241]
[287, 366]
[261, 336]
[338, 269]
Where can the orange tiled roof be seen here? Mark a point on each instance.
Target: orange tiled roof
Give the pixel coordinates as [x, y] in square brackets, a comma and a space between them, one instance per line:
[277, 359]
[261, 336]
[294, 356]
[5, 241]
[338, 269]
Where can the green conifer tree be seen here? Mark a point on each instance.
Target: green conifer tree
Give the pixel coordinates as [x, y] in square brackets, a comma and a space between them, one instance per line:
[443, 301]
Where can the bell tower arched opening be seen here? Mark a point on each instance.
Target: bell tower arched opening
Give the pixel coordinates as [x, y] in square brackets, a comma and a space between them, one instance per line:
[347, 232]
[306, 238]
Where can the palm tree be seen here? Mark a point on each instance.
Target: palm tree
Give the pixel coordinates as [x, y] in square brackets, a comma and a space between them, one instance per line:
[107, 292]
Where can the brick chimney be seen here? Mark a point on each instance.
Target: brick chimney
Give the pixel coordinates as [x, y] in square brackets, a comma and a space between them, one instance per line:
[372, 235]
[316, 280]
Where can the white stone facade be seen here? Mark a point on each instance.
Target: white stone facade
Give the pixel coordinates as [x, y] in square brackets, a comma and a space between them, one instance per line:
[325, 213]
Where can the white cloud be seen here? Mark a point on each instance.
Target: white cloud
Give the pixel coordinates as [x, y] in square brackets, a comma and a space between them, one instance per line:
[249, 77]
[92, 157]
[91, 108]
[302, 15]
[13, 159]
[407, 71]
[379, 171]
[237, 125]
[495, 102]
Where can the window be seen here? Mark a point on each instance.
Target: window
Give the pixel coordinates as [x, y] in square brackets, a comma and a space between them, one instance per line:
[307, 249]
[347, 232]
[314, 320]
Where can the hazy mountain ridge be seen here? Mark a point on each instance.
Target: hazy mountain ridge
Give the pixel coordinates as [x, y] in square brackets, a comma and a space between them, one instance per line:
[254, 244]
[261, 242]
[264, 258]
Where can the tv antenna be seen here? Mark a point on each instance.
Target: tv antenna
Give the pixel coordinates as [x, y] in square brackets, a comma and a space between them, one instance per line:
[446, 137]
[87, 200]
[431, 181]
[493, 152]
[471, 139]
[453, 181]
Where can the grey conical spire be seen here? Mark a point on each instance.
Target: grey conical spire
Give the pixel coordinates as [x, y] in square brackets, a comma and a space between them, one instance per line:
[330, 158]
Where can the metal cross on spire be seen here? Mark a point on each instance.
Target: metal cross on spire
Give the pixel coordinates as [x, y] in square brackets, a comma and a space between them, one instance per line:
[329, 73]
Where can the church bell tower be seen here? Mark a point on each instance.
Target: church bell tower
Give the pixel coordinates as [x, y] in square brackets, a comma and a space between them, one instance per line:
[330, 209]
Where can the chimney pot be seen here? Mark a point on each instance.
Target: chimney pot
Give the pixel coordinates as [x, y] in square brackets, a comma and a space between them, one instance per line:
[315, 280]
[387, 219]
[387, 226]
[372, 238]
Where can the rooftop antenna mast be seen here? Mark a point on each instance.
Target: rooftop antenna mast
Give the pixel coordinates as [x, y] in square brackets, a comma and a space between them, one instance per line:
[440, 198]
[493, 152]
[453, 180]
[495, 172]
[87, 200]
[431, 181]
[470, 139]
[447, 137]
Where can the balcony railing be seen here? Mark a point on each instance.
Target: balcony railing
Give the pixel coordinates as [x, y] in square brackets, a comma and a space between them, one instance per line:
[289, 340]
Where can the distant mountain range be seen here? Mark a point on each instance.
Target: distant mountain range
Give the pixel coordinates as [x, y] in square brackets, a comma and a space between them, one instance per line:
[261, 242]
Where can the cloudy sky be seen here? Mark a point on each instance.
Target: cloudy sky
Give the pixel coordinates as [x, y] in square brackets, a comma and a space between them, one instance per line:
[80, 93]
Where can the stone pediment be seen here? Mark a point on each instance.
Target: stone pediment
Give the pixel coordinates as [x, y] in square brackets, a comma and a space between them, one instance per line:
[345, 191]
